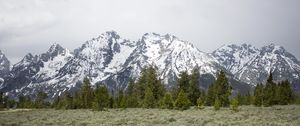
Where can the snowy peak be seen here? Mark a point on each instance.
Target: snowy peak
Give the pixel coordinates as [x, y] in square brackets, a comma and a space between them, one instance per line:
[234, 57]
[28, 57]
[156, 45]
[56, 49]
[243, 49]
[272, 47]
[98, 58]
[37, 68]
[277, 51]
[252, 65]
[108, 41]
[101, 50]
[278, 59]
[27, 60]
[163, 40]
[171, 55]
[155, 36]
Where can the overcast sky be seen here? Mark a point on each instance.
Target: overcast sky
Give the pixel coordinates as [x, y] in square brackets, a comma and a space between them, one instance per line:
[33, 25]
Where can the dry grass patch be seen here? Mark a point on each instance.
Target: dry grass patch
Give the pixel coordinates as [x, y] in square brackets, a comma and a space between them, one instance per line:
[248, 115]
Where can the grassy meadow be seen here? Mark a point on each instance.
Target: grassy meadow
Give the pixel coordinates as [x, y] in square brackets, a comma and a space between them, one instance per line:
[248, 115]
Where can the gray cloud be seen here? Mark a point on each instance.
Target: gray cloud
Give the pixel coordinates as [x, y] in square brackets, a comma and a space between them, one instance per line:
[33, 25]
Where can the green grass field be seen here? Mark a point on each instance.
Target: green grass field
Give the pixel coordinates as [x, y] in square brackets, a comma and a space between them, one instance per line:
[248, 115]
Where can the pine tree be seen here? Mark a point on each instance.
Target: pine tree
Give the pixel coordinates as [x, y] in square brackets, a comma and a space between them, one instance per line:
[21, 102]
[101, 100]
[234, 105]
[211, 95]
[5, 101]
[141, 86]
[222, 89]
[149, 100]
[148, 79]
[86, 93]
[131, 87]
[194, 91]
[258, 95]
[248, 99]
[56, 102]
[28, 102]
[167, 101]
[124, 102]
[240, 98]
[131, 93]
[269, 92]
[155, 83]
[76, 100]
[244, 99]
[40, 100]
[1, 100]
[67, 100]
[217, 104]
[182, 102]
[183, 81]
[111, 102]
[118, 99]
[11, 103]
[201, 102]
[285, 93]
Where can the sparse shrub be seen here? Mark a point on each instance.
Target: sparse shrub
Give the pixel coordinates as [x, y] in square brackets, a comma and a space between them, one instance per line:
[200, 102]
[182, 102]
[171, 120]
[234, 105]
[217, 104]
[167, 101]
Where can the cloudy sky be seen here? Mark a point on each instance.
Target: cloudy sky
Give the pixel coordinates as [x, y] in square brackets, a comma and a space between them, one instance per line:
[33, 25]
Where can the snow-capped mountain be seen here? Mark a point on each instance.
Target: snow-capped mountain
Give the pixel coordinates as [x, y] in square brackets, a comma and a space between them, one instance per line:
[98, 59]
[171, 56]
[107, 58]
[113, 60]
[34, 69]
[252, 65]
[4, 67]
[59, 69]
[234, 57]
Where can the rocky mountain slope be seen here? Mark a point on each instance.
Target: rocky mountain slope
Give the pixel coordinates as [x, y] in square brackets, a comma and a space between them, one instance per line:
[4, 67]
[112, 60]
[252, 65]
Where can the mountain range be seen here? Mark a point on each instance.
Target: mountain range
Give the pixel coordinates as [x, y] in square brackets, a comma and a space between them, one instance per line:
[113, 60]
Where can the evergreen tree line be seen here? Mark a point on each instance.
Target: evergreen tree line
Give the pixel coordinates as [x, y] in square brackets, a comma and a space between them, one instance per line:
[25, 101]
[273, 93]
[148, 91]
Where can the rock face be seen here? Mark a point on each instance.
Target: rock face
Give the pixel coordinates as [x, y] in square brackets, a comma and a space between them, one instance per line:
[112, 60]
[33, 70]
[4, 67]
[252, 65]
